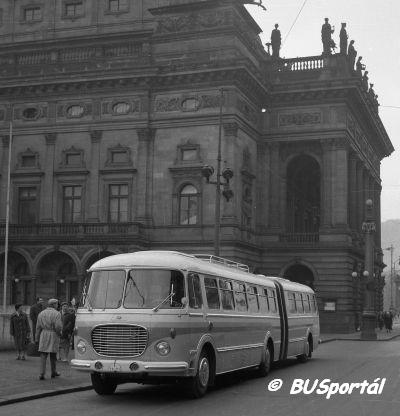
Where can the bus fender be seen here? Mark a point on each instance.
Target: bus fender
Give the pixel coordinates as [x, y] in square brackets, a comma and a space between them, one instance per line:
[206, 339]
[268, 337]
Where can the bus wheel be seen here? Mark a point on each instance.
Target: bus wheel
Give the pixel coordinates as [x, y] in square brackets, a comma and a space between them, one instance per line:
[307, 353]
[265, 367]
[102, 384]
[198, 385]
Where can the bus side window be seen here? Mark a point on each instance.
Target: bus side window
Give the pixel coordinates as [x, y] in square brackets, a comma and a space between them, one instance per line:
[212, 295]
[272, 300]
[314, 304]
[240, 297]
[194, 288]
[252, 299]
[263, 300]
[226, 295]
[292, 302]
[306, 302]
[299, 303]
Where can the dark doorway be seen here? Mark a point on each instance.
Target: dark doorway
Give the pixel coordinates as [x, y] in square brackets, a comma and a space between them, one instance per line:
[300, 274]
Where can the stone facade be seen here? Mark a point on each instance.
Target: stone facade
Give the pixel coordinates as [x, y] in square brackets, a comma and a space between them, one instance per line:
[115, 110]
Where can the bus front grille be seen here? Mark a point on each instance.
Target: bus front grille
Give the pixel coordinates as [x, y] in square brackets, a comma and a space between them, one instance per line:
[119, 340]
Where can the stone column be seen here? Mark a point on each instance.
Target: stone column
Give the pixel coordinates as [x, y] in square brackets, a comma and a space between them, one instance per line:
[275, 185]
[93, 213]
[4, 171]
[340, 188]
[360, 195]
[231, 155]
[353, 191]
[327, 179]
[145, 160]
[47, 194]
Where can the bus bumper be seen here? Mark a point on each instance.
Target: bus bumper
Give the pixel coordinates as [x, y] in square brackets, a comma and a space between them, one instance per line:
[132, 366]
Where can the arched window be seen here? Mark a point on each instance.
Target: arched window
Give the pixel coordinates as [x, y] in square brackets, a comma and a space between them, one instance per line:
[188, 205]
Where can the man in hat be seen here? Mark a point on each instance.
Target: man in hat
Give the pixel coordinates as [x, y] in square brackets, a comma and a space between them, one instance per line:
[68, 324]
[48, 331]
[36, 308]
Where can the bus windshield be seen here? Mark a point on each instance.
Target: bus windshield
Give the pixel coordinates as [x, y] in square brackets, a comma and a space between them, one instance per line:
[154, 289]
[145, 288]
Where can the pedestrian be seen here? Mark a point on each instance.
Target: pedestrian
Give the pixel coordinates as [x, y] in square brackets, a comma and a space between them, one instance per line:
[20, 331]
[36, 308]
[68, 324]
[48, 331]
[380, 321]
[387, 321]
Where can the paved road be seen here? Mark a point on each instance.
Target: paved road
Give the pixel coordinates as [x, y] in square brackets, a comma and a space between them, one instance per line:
[340, 361]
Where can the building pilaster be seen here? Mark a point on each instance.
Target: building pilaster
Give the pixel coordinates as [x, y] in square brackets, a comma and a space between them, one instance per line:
[93, 214]
[47, 194]
[275, 185]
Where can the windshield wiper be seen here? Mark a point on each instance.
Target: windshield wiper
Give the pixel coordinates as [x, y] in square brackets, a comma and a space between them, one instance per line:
[170, 296]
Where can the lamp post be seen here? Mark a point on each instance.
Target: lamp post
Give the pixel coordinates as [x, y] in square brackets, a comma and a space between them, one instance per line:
[391, 249]
[227, 174]
[368, 317]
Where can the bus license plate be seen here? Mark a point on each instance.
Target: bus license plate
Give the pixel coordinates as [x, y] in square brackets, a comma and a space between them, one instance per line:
[115, 367]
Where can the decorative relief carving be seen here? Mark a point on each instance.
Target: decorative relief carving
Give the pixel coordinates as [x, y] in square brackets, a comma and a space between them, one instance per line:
[74, 110]
[194, 22]
[120, 107]
[247, 111]
[180, 103]
[299, 119]
[30, 112]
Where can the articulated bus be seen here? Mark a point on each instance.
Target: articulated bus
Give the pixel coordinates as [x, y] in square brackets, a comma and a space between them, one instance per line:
[163, 316]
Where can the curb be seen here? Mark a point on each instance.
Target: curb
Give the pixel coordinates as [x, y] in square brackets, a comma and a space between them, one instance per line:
[17, 398]
[324, 341]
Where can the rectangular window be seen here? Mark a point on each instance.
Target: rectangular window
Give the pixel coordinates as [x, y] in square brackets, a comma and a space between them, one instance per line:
[240, 297]
[28, 161]
[212, 293]
[226, 295]
[73, 159]
[314, 306]
[117, 5]
[27, 205]
[32, 14]
[194, 288]
[252, 298]
[299, 303]
[118, 203]
[306, 302]
[263, 300]
[292, 302]
[72, 204]
[272, 300]
[73, 9]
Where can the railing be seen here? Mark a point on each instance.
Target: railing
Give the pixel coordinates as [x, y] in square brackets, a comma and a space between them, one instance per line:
[299, 238]
[307, 63]
[64, 229]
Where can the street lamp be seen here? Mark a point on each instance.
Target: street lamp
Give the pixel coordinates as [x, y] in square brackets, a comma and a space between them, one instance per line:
[368, 316]
[227, 174]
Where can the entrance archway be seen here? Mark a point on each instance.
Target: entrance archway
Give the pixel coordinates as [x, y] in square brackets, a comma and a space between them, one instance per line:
[301, 274]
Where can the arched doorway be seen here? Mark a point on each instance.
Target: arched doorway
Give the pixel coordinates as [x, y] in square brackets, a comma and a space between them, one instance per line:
[301, 274]
[303, 195]
[21, 283]
[58, 277]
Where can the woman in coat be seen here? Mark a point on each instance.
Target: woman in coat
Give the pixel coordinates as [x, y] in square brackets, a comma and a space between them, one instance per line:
[20, 330]
[48, 331]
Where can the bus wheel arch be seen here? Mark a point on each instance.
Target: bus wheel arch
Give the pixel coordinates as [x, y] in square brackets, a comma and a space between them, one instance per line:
[308, 349]
[205, 372]
[267, 359]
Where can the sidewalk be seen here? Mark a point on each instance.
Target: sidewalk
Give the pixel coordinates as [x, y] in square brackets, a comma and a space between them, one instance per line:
[356, 336]
[20, 379]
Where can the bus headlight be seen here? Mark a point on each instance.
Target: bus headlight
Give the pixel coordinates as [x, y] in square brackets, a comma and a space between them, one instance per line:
[81, 347]
[163, 348]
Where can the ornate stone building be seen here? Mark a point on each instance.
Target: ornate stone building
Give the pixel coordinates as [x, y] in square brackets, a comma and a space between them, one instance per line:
[115, 110]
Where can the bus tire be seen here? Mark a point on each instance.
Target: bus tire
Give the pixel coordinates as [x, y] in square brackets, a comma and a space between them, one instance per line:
[303, 358]
[102, 384]
[198, 385]
[265, 367]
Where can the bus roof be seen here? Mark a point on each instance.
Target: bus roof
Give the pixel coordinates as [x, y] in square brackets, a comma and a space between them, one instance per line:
[183, 261]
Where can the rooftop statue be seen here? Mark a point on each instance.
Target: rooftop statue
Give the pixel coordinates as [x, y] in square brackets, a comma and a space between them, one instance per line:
[343, 39]
[326, 36]
[352, 53]
[276, 41]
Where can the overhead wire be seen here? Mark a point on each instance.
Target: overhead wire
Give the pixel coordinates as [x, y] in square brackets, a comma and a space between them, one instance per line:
[294, 22]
